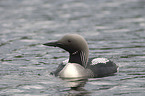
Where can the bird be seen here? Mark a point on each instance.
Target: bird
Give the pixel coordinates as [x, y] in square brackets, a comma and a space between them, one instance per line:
[79, 65]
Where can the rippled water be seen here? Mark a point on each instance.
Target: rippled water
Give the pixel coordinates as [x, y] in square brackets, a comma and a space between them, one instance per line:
[113, 28]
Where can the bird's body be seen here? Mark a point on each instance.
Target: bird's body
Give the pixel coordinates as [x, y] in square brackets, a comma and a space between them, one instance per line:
[96, 68]
[79, 65]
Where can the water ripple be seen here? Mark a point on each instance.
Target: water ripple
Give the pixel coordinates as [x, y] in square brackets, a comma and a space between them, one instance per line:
[113, 29]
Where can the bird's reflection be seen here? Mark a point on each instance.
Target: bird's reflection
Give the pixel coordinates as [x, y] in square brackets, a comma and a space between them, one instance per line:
[76, 86]
[75, 83]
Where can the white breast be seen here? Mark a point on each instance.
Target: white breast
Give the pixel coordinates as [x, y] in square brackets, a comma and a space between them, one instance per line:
[73, 70]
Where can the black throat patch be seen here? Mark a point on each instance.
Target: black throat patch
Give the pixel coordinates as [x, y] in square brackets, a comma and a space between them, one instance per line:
[78, 57]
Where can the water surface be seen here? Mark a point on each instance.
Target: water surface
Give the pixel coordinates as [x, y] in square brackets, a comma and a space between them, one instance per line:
[114, 29]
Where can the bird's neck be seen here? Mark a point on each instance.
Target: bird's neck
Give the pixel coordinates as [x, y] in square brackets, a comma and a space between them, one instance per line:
[79, 57]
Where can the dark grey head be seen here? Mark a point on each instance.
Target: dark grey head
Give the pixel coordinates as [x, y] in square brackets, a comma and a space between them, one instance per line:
[76, 45]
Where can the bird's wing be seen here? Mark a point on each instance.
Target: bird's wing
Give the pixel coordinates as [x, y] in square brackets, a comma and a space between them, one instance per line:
[102, 67]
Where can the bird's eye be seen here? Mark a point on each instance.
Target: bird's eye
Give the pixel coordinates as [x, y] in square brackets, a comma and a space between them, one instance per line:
[69, 41]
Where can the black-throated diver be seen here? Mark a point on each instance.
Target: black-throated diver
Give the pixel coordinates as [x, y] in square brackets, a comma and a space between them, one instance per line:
[78, 64]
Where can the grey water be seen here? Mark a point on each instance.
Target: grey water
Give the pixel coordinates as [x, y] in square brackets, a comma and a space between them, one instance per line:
[114, 29]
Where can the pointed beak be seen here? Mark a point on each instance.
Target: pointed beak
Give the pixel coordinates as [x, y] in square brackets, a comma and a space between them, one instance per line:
[53, 43]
